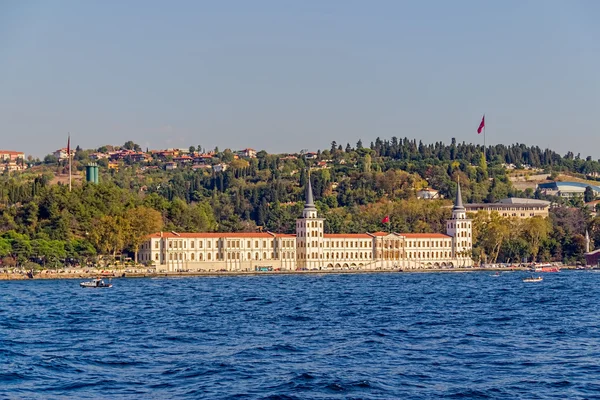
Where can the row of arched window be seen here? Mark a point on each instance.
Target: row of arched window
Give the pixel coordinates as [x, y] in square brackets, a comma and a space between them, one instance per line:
[183, 256]
[463, 225]
[309, 224]
[338, 255]
[433, 243]
[427, 254]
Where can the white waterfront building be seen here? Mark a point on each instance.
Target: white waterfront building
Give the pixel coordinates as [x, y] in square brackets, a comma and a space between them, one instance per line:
[312, 249]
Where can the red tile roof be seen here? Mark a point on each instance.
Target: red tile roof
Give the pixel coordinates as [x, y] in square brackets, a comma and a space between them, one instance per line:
[425, 235]
[198, 235]
[11, 152]
[212, 235]
[348, 235]
[267, 235]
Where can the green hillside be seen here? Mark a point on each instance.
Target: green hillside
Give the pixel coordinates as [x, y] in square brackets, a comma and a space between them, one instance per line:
[355, 186]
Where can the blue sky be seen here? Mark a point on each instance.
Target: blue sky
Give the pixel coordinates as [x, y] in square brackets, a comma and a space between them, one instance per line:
[285, 76]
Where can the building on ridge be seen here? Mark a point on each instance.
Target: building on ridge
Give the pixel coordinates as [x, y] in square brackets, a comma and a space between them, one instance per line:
[566, 189]
[513, 207]
[312, 249]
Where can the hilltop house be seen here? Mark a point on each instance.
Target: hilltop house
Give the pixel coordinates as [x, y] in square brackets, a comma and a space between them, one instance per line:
[9, 155]
[248, 153]
[61, 154]
[220, 167]
[12, 160]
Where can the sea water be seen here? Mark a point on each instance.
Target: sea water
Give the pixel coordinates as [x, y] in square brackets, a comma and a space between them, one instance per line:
[355, 336]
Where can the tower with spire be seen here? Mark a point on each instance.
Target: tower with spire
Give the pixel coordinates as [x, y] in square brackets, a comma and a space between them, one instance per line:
[460, 228]
[309, 233]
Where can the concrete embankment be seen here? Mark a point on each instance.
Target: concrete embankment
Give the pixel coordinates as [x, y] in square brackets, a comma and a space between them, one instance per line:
[106, 274]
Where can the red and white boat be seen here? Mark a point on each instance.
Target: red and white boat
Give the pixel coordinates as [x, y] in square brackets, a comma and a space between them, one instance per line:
[545, 268]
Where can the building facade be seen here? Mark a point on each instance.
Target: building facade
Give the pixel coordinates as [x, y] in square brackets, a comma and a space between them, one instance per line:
[11, 156]
[61, 154]
[566, 189]
[513, 207]
[312, 249]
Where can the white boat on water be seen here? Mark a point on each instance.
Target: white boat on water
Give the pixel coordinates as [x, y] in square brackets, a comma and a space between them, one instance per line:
[96, 283]
[532, 279]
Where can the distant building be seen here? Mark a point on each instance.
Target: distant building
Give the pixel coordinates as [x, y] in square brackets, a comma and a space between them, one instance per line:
[513, 207]
[428, 194]
[140, 157]
[593, 258]
[169, 166]
[163, 154]
[248, 153]
[12, 160]
[566, 189]
[183, 159]
[12, 166]
[61, 154]
[205, 157]
[177, 152]
[98, 156]
[11, 155]
[220, 167]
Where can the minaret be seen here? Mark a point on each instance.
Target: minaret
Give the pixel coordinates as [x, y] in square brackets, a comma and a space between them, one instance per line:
[587, 241]
[458, 211]
[309, 206]
[309, 233]
[460, 228]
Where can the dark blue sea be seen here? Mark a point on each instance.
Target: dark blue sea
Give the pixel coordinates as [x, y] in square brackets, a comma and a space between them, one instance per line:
[355, 336]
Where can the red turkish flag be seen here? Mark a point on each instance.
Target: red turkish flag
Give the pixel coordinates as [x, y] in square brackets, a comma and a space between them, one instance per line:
[386, 219]
[481, 125]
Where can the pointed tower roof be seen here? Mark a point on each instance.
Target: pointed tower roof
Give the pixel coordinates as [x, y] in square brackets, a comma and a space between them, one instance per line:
[310, 203]
[587, 241]
[458, 203]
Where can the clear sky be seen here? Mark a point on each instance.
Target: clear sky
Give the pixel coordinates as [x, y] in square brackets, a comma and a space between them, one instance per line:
[290, 75]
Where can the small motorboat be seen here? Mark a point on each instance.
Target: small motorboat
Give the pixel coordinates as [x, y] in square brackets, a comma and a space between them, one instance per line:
[533, 279]
[497, 274]
[96, 283]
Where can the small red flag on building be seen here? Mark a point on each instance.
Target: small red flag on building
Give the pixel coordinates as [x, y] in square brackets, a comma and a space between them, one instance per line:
[386, 219]
[481, 125]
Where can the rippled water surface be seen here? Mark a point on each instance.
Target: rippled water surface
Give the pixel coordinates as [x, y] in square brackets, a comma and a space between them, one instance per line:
[372, 336]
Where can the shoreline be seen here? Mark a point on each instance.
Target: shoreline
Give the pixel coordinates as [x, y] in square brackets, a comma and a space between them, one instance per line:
[121, 274]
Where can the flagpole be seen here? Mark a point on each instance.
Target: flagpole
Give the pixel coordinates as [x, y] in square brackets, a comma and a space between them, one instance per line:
[484, 154]
[69, 151]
